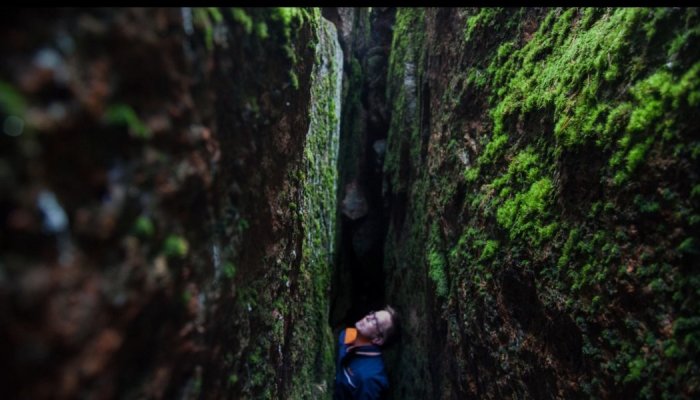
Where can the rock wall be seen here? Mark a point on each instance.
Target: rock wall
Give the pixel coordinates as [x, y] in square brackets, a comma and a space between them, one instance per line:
[168, 190]
[167, 198]
[542, 179]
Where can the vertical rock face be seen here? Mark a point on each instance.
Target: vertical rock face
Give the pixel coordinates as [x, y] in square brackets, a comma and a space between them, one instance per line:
[312, 345]
[541, 171]
[167, 195]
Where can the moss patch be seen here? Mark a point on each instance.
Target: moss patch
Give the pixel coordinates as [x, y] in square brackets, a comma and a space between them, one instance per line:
[554, 211]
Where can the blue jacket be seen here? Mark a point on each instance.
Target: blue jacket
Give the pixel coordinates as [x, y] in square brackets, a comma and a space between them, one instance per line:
[360, 372]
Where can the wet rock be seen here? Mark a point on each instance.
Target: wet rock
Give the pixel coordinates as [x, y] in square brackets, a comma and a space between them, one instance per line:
[379, 147]
[354, 203]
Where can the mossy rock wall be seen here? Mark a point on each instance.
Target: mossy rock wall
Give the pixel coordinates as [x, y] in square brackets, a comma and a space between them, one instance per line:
[168, 202]
[542, 176]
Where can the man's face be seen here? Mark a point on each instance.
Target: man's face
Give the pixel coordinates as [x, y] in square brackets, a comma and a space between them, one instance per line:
[374, 325]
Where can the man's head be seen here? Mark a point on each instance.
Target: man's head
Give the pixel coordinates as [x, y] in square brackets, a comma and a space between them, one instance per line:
[378, 326]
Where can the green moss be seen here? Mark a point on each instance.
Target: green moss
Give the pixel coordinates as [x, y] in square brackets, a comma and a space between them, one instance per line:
[406, 62]
[490, 249]
[143, 227]
[471, 174]
[636, 155]
[516, 214]
[175, 246]
[564, 78]
[568, 247]
[485, 18]
[494, 147]
[636, 367]
[317, 179]
[287, 14]
[695, 192]
[436, 263]
[202, 20]
[660, 97]
[294, 80]
[588, 122]
[240, 16]
[436, 271]
[215, 14]
[229, 270]
[289, 18]
[689, 246]
[11, 101]
[242, 225]
[261, 30]
[281, 313]
[646, 205]
[123, 114]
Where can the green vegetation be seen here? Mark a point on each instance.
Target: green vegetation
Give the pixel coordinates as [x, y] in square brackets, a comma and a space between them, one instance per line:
[229, 270]
[484, 20]
[123, 114]
[276, 27]
[287, 305]
[175, 246]
[240, 16]
[436, 263]
[562, 151]
[143, 227]
[406, 63]
[319, 182]
[11, 101]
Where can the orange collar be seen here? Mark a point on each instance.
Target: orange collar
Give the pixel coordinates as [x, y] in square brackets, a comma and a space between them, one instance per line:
[350, 335]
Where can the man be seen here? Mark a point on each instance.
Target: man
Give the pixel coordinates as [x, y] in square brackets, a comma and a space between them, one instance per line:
[360, 372]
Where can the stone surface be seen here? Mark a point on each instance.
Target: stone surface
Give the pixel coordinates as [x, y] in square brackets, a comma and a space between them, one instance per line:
[539, 178]
[164, 177]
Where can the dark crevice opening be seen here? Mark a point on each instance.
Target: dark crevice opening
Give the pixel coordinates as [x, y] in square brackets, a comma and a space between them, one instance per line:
[358, 278]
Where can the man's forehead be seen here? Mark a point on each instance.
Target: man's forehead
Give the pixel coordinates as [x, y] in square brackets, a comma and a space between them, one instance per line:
[384, 316]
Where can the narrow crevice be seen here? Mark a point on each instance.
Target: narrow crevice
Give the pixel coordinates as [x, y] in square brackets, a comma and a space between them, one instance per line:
[358, 281]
